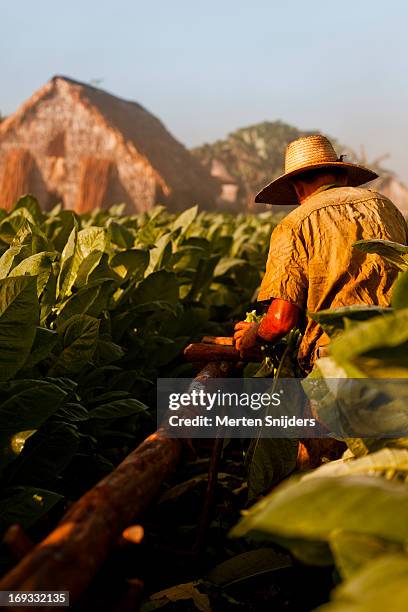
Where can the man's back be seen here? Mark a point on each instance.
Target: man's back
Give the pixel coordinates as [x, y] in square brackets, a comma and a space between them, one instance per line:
[312, 263]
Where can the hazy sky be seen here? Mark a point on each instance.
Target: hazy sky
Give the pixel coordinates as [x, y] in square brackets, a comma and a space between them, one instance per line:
[206, 68]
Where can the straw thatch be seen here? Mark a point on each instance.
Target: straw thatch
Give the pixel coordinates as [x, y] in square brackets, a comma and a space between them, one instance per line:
[93, 183]
[92, 149]
[18, 165]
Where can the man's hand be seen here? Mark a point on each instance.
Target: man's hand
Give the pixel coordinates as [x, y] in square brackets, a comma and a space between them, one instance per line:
[246, 336]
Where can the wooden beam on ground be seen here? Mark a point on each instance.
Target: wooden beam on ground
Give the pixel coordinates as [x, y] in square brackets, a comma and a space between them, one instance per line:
[205, 352]
[70, 556]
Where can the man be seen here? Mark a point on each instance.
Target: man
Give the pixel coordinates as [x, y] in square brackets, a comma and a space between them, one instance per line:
[311, 264]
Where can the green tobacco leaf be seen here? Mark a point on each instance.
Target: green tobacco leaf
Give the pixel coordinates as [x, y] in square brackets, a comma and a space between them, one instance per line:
[46, 454]
[48, 298]
[38, 265]
[118, 409]
[19, 439]
[19, 314]
[376, 348]
[386, 462]
[120, 234]
[203, 278]
[59, 228]
[400, 291]
[333, 320]
[353, 550]
[359, 407]
[158, 286]
[77, 304]
[393, 252]
[131, 263]
[248, 565]
[269, 461]
[12, 257]
[72, 413]
[186, 258]
[25, 505]
[381, 585]
[227, 264]
[108, 352]
[160, 254]
[311, 510]
[30, 203]
[80, 257]
[185, 219]
[69, 264]
[44, 342]
[79, 337]
[91, 244]
[28, 405]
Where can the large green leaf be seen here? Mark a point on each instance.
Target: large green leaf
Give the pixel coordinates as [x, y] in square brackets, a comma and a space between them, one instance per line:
[118, 409]
[353, 550]
[120, 234]
[92, 243]
[80, 257]
[393, 252]
[400, 291]
[333, 320]
[376, 348]
[38, 265]
[79, 338]
[380, 586]
[30, 203]
[69, 264]
[269, 461]
[358, 407]
[248, 565]
[227, 265]
[12, 257]
[25, 406]
[311, 510]
[78, 303]
[387, 462]
[131, 263]
[46, 454]
[25, 505]
[160, 254]
[19, 314]
[59, 227]
[44, 342]
[185, 219]
[161, 285]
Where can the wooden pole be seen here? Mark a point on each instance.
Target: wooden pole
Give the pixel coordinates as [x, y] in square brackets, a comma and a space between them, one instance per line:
[70, 556]
[204, 352]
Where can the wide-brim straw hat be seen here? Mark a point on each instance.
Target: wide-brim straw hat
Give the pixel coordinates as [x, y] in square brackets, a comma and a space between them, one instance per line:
[309, 153]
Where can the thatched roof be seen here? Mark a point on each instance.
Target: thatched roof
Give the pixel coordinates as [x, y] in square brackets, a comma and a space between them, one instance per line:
[145, 136]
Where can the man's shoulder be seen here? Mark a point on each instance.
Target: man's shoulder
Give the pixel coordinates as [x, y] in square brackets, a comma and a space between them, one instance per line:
[333, 197]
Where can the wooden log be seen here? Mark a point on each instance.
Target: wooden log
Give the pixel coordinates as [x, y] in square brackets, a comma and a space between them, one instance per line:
[17, 541]
[70, 556]
[223, 340]
[201, 351]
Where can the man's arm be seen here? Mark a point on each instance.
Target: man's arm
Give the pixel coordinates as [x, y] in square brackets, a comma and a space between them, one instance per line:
[281, 317]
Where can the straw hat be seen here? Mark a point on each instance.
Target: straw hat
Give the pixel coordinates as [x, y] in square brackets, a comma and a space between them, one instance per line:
[308, 153]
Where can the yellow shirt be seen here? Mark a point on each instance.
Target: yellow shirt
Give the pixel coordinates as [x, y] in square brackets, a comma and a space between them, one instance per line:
[312, 264]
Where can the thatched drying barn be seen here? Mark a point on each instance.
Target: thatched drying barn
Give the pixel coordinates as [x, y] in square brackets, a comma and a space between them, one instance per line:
[78, 144]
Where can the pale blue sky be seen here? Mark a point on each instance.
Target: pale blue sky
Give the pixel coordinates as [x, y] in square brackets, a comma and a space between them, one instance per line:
[207, 68]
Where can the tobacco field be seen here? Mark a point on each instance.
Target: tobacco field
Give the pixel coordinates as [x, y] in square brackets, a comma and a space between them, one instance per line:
[94, 308]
